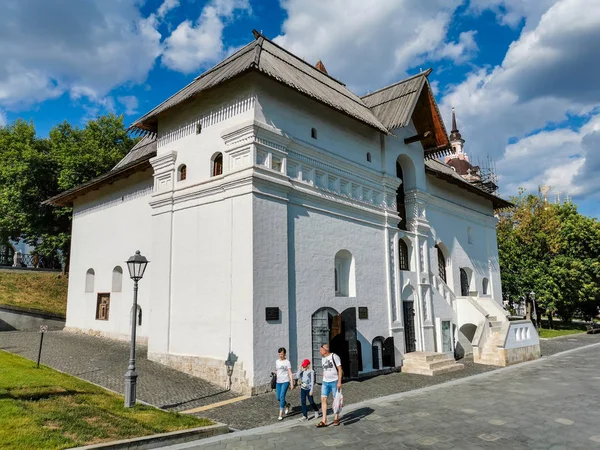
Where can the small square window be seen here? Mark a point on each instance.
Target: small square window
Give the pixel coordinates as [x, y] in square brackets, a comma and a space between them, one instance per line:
[368, 157]
[313, 133]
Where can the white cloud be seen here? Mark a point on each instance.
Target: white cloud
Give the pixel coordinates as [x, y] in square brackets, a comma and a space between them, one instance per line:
[460, 51]
[369, 44]
[3, 119]
[85, 48]
[512, 12]
[549, 74]
[130, 103]
[166, 6]
[194, 44]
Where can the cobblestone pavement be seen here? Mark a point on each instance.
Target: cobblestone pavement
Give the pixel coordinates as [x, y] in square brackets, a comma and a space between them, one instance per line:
[263, 410]
[104, 362]
[551, 403]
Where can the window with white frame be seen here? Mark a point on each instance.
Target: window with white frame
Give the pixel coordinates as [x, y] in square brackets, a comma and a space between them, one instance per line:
[117, 279]
[90, 275]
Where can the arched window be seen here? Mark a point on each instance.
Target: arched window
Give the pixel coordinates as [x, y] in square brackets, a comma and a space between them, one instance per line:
[182, 172]
[401, 208]
[470, 235]
[89, 280]
[117, 279]
[441, 264]
[464, 282]
[403, 261]
[313, 133]
[485, 286]
[344, 272]
[217, 165]
[368, 157]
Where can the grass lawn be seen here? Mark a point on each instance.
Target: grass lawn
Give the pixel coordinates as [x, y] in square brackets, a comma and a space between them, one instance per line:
[45, 409]
[46, 291]
[561, 328]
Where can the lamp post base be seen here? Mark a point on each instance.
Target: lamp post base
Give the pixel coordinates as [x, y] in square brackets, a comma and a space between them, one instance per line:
[130, 388]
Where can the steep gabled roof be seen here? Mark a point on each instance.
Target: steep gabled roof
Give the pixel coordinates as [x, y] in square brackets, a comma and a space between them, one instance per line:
[411, 99]
[394, 104]
[271, 60]
[448, 174]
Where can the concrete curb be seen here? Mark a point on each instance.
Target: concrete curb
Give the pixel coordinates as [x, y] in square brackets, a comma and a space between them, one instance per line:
[283, 427]
[160, 440]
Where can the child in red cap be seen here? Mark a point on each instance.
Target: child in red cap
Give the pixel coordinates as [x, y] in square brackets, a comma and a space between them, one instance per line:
[306, 378]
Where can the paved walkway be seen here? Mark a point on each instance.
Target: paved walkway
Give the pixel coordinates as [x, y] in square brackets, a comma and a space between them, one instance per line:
[104, 362]
[551, 403]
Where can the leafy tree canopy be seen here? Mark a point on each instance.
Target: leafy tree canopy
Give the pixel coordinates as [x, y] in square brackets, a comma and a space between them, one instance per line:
[553, 250]
[33, 169]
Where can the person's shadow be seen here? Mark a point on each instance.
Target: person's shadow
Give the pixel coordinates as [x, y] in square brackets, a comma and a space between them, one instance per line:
[355, 416]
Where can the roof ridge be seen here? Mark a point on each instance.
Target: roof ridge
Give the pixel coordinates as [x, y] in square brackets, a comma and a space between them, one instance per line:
[223, 63]
[229, 59]
[397, 97]
[258, 34]
[424, 74]
[358, 100]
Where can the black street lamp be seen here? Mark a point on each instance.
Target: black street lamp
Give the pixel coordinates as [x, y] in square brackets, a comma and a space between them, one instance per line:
[136, 265]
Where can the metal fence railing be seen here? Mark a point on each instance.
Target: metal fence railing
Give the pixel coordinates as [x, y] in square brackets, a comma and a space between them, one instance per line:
[34, 261]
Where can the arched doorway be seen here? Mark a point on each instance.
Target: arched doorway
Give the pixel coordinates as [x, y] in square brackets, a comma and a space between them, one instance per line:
[377, 347]
[408, 310]
[339, 331]
[464, 283]
[408, 316]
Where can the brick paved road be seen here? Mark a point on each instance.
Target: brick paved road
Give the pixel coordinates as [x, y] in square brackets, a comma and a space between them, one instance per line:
[551, 403]
[104, 362]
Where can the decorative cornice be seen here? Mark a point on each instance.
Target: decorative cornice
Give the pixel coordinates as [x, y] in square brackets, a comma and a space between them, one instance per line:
[226, 111]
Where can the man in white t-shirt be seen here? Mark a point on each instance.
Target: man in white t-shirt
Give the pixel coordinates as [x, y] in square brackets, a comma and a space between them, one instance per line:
[332, 381]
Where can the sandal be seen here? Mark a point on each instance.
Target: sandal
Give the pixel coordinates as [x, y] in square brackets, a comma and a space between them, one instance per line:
[336, 423]
[321, 424]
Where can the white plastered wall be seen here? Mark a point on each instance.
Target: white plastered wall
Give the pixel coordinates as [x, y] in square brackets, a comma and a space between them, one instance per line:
[109, 225]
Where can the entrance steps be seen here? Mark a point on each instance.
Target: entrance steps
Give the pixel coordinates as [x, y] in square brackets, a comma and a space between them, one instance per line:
[429, 363]
[489, 354]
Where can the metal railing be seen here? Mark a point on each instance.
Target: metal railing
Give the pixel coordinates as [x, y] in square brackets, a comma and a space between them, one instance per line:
[34, 261]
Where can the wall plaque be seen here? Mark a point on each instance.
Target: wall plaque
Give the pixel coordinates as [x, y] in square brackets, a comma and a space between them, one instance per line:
[363, 312]
[272, 313]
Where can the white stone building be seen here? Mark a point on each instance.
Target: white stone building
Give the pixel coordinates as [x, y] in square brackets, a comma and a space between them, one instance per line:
[278, 208]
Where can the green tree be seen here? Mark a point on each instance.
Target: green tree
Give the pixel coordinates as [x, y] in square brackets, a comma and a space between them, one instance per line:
[553, 250]
[33, 169]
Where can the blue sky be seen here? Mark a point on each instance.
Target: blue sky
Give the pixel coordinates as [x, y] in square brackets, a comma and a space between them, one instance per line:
[523, 75]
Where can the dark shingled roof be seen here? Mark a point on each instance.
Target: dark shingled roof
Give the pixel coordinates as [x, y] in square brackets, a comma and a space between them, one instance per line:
[393, 105]
[268, 58]
[447, 173]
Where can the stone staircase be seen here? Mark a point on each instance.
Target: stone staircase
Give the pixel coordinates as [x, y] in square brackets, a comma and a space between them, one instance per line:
[429, 363]
[489, 354]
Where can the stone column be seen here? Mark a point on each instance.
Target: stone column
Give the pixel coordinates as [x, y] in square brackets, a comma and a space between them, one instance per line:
[390, 186]
[161, 255]
[416, 201]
